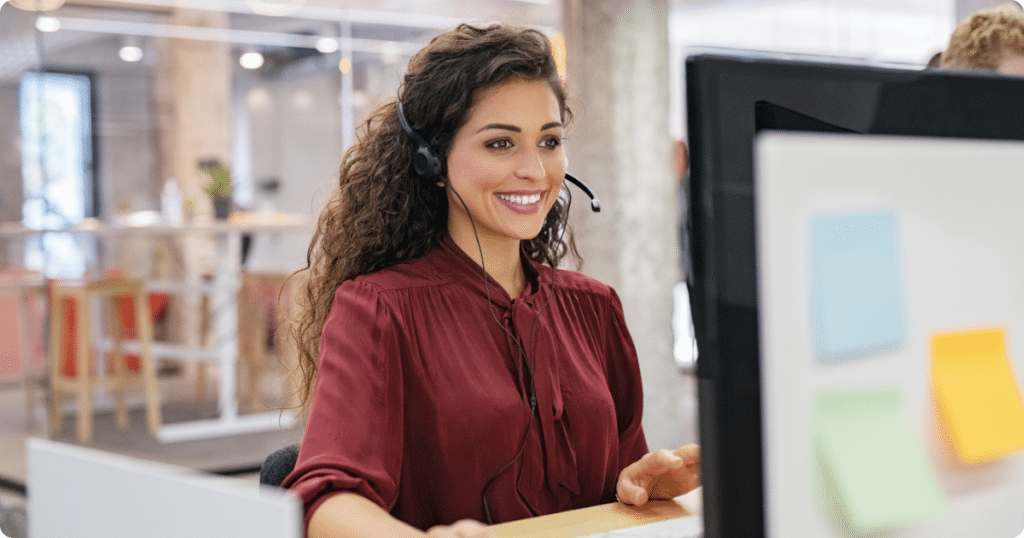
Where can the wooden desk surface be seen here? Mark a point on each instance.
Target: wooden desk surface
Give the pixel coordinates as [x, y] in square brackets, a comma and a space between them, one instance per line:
[593, 520]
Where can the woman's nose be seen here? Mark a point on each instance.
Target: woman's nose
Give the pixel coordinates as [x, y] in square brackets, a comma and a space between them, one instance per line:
[531, 165]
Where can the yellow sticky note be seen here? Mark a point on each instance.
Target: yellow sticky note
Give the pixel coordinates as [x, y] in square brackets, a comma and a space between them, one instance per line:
[978, 398]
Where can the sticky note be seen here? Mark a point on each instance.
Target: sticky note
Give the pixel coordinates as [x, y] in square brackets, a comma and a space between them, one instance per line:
[856, 290]
[977, 395]
[875, 467]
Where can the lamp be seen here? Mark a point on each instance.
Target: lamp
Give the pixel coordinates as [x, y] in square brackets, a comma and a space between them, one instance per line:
[36, 5]
[326, 45]
[251, 60]
[47, 24]
[389, 52]
[130, 50]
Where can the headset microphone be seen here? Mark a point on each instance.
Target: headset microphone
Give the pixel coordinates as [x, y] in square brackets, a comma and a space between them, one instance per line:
[595, 204]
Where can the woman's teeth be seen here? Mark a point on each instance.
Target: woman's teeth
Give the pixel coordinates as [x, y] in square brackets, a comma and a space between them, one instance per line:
[521, 200]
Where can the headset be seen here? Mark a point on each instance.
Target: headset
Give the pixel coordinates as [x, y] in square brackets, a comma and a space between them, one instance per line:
[425, 162]
[429, 167]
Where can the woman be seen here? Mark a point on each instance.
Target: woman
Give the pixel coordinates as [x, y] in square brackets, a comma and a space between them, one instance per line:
[452, 375]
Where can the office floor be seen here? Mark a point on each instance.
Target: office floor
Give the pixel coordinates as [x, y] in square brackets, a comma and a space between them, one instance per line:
[238, 456]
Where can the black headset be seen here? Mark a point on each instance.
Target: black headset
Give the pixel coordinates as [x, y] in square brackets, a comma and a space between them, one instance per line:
[425, 162]
[429, 168]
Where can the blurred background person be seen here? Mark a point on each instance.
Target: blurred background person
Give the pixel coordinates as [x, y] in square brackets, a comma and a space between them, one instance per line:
[989, 40]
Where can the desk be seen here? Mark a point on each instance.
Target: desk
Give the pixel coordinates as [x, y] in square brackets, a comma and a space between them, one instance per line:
[593, 520]
[223, 291]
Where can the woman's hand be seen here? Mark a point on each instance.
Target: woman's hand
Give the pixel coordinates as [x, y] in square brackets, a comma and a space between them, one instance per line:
[660, 475]
[464, 528]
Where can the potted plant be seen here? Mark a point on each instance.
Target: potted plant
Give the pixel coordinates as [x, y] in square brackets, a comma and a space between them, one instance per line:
[218, 187]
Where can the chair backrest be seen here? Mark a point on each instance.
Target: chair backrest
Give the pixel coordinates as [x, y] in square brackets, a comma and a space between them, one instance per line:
[278, 465]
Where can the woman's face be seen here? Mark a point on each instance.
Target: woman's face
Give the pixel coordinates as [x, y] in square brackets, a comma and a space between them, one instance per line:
[507, 163]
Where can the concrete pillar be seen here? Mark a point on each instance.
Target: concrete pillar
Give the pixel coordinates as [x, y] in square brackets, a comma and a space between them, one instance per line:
[193, 99]
[193, 96]
[620, 144]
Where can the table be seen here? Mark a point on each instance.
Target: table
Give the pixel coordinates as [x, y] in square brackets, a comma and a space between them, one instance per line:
[223, 291]
[597, 519]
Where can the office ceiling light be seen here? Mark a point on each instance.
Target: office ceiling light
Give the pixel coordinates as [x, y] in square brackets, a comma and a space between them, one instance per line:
[251, 60]
[389, 52]
[37, 5]
[130, 53]
[131, 49]
[275, 8]
[47, 24]
[327, 45]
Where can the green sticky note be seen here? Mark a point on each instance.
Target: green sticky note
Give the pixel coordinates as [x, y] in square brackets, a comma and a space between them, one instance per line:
[873, 465]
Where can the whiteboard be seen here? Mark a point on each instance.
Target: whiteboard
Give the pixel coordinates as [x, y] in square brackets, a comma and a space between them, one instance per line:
[76, 491]
[959, 213]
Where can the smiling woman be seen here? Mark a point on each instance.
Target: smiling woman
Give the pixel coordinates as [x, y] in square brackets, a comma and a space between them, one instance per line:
[453, 373]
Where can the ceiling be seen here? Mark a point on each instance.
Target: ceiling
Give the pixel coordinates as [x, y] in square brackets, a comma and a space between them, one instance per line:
[374, 25]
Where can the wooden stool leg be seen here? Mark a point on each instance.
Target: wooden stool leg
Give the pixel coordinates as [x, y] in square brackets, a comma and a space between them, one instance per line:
[287, 352]
[147, 366]
[204, 342]
[56, 372]
[25, 356]
[84, 373]
[254, 326]
[257, 362]
[120, 384]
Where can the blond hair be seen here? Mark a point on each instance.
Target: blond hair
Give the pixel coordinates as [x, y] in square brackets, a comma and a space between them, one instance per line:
[981, 41]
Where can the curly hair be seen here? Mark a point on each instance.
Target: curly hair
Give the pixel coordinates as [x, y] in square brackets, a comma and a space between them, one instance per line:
[981, 41]
[380, 215]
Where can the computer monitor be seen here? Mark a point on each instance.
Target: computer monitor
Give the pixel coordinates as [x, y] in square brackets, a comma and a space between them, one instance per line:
[77, 491]
[730, 99]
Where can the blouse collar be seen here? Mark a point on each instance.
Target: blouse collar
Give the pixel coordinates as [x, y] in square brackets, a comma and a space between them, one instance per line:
[454, 261]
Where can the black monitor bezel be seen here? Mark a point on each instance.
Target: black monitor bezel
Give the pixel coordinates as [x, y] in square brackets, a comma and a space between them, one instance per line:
[723, 96]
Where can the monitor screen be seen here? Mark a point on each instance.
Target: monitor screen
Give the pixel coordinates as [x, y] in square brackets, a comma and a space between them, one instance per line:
[729, 101]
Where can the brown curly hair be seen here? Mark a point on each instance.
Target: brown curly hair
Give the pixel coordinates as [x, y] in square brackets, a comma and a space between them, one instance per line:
[381, 215]
[980, 42]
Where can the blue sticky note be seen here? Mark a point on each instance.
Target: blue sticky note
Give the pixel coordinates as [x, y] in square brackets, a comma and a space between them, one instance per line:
[856, 292]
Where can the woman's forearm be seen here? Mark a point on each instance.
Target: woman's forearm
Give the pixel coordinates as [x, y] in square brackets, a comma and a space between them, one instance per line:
[348, 515]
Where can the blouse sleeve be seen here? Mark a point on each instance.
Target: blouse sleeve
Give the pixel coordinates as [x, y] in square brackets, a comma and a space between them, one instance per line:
[623, 371]
[354, 434]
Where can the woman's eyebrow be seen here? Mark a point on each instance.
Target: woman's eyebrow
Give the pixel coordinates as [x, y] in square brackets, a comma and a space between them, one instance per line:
[517, 129]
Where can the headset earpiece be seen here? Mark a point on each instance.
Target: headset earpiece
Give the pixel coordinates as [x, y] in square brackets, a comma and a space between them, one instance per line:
[425, 162]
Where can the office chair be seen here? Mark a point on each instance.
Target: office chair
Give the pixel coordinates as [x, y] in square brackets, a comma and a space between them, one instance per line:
[278, 464]
[13, 522]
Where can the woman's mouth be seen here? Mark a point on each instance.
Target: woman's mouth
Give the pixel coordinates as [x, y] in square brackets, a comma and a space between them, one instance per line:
[521, 203]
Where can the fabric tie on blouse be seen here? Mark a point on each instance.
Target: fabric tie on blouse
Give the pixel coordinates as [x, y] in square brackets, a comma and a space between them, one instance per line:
[533, 328]
[531, 323]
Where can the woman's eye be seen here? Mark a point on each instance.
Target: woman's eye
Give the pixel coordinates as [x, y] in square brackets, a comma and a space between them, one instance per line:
[503, 143]
[551, 143]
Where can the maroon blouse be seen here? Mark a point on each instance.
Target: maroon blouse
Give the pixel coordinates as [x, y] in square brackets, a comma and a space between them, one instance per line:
[422, 394]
